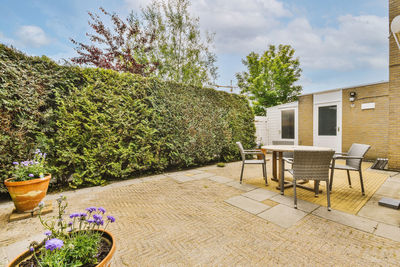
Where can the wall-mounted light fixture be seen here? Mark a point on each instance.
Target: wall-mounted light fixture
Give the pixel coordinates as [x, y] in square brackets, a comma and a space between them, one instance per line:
[352, 97]
[395, 28]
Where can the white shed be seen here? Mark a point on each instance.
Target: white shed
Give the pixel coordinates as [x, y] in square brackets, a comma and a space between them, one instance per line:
[282, 123]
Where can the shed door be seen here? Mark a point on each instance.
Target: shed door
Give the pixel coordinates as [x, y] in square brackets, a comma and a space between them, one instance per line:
[327, 125]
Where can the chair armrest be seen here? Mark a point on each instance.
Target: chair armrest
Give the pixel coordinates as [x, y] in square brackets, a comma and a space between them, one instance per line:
[288, 160]
[339, 153]
[252, 150]
[248, 152]
[347, 157]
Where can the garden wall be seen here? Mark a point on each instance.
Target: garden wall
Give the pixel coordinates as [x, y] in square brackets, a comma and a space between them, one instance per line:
[98, 125]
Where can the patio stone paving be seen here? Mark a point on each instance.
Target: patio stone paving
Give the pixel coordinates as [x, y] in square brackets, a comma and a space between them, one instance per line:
[283, 215]
[247, 204]
[165, 221]
[260, 194]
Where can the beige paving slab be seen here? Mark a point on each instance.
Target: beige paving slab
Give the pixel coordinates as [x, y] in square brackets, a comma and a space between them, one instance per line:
[154, 178]
[389, 189]
[17, 248]
[283, 215]
[202, 175]
[244, 187]
[260, 194]
[301, 204]
[220, 179]
[373, 211]
[182, 178]
[247, 204]
[351, 220]
[388, 231]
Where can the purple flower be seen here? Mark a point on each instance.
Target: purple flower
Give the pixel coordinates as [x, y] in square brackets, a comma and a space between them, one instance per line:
[16, 163]
[31, 175]
[102, 210]
[90, 221]
[37, 151]
[111, 218]
[73, 215]
[99, 222]
[53, 244]
[48, 233]
[70, 224]
[97, 217]
[83, 215]
[31, 249]
[44, 155]
[91, 209]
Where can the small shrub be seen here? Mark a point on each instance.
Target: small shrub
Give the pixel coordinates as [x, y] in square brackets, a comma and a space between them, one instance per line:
[221, 164]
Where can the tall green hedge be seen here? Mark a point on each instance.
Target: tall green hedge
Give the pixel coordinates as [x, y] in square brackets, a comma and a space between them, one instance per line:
[99, 125]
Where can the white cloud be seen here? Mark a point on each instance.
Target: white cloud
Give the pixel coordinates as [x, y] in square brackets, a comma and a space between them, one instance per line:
[31, 35]
[242, 26]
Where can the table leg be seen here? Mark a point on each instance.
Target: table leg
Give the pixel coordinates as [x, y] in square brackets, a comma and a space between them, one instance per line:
[281, 172]
[274, 176]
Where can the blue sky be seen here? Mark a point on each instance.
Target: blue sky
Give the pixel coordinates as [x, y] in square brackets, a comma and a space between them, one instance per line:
[340, 43]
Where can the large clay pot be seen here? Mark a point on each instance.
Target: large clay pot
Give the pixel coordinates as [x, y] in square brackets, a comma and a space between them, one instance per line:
[27, 194]
[104, 263]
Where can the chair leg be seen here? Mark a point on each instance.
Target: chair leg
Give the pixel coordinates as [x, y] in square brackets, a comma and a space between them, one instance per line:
[348, 178]
[294, 192]
[331, 180]
[328, 195]
[241, 174]
[316, 188]
[362, 183]
[265, 173]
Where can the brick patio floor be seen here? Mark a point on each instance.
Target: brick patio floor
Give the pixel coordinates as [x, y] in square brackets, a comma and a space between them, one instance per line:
[183, 220]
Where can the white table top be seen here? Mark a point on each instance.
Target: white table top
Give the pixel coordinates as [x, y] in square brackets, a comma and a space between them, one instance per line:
[291, 148]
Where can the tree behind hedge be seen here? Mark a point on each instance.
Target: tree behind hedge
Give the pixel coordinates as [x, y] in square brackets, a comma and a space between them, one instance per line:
[271, 77]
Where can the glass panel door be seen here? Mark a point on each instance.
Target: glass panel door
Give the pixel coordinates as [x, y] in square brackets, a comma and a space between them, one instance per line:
[287, 122]
[327, 120]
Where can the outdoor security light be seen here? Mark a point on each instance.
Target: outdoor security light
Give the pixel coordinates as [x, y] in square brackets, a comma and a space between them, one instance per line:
[352, 96]
[395, 28]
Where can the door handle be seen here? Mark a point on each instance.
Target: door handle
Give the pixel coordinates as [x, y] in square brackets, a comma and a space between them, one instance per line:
[338, 129]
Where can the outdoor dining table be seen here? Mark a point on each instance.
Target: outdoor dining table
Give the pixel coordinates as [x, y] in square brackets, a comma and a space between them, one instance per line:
[277, 155]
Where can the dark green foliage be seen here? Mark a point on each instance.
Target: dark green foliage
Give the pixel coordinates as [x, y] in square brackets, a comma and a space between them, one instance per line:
[99, 125]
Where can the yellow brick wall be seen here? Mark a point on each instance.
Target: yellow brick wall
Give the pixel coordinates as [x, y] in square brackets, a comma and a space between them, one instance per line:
[305, 111]
[394, 93]
[368, 126]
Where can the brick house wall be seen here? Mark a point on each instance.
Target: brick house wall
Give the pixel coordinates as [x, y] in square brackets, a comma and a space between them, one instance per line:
[366, 126]
[394, 92]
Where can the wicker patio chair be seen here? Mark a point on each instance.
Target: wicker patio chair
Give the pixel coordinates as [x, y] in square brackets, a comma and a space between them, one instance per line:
[353, 159]
[311, 165]
[262, 161]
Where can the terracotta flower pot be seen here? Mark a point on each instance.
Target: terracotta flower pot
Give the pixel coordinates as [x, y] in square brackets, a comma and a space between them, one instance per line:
[104, 263]
[27, 195]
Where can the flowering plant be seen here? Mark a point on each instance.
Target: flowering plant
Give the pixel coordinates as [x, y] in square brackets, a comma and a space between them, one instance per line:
[30, 169]
[76, 242]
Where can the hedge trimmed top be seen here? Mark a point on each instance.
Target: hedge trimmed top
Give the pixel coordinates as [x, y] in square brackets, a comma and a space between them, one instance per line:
[98, 125]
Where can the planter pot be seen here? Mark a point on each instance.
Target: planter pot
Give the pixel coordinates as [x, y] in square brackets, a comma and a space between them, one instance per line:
[104, 263]
[27, 195]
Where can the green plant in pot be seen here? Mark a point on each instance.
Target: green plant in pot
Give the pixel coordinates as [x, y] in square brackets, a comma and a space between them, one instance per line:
[81, 240]
[29, 182]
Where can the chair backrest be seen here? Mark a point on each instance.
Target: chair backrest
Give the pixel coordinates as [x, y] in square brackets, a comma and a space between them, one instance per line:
[241, 150]
[312, 165]
[357, 150]
[286, 143]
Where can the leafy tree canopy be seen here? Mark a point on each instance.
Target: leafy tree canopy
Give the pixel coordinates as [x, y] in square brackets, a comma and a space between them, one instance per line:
[270, 78]
[164, 40]
[183, 54]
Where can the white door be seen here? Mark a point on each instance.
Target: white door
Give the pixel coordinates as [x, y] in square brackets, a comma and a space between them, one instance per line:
[328, 125]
